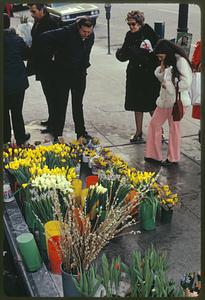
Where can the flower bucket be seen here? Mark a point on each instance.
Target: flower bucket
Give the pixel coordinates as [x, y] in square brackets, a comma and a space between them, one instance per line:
[84, 194]
[69, 288]
[29, 251]
[77, 189]
[12, 181]
[40, 238]
[95, 170]
[52, 228]
[148, 215]
[54, 254]
[91, 180]
[29, 216]
[166, 215]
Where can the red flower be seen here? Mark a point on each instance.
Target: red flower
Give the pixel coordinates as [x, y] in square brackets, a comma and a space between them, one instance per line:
[117, 266]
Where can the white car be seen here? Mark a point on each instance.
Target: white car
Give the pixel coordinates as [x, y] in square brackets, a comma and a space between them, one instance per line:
[67, 13]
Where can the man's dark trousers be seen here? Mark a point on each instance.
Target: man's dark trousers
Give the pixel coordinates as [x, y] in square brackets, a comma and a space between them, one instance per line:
[76, 83]
[49, 89]
[14, 103]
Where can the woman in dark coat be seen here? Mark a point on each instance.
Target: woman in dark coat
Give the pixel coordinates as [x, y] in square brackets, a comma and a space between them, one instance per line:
[15, 83]
[142, 87]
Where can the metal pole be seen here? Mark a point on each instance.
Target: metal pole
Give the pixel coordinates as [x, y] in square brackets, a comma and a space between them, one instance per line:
[183, 18]
[159, 28]
[108, 16]
[108, 36]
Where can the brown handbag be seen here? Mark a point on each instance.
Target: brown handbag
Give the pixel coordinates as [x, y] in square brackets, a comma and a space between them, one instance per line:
[178, 109]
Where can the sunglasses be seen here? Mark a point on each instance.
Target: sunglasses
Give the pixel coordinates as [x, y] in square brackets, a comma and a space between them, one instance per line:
[131, 24]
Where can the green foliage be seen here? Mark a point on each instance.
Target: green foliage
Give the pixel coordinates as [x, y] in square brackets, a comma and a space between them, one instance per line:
[150, 199]
[147, 275]
[111, 275]
[116, 189]
[87, 282]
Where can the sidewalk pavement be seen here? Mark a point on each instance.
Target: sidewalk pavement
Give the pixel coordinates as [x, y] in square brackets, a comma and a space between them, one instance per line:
[106, 119]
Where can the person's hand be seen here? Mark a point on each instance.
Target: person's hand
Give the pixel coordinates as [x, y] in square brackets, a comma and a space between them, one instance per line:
[163, 85]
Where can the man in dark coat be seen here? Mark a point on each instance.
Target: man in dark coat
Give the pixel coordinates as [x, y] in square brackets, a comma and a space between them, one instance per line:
[72, 46]
[15, 83]
[43, 22]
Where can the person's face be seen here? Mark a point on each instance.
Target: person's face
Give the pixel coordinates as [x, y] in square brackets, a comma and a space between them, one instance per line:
[134, 26]
[36, 13]
[161, 57]
[85, 31]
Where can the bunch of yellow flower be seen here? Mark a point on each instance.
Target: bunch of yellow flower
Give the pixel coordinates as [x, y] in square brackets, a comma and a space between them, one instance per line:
[167, 198]
[27, 163]
[89, 152]
[100, 162]
[138, 178]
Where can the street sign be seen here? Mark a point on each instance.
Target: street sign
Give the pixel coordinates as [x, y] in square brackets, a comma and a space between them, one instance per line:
[184, 40]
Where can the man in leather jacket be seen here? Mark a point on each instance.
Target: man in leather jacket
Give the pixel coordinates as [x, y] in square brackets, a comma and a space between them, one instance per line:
[71, 46]
[42, 22]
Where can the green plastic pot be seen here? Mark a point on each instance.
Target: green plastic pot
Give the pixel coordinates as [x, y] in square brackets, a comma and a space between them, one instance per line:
[148, 215]
[166, 216]
[69, 288]
[29, 251]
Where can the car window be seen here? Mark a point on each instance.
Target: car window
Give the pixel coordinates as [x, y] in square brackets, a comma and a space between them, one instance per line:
[58, 4]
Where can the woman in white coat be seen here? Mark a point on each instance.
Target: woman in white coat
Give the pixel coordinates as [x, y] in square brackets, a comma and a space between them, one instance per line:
[174, 67]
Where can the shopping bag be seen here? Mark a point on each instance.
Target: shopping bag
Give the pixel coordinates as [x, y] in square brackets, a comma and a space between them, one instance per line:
[178, 109]
[196, 88]
[24, 31]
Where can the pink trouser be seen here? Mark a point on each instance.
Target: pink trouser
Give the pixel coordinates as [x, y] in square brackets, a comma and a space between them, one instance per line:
[154, 136]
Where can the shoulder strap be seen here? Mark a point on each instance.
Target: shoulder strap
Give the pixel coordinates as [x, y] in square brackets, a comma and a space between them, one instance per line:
[178, 94]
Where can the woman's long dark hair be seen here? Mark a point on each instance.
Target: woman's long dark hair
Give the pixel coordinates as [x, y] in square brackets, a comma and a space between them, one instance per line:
[167, 47]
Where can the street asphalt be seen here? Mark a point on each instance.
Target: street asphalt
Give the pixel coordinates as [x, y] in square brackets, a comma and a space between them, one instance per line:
[106, 119]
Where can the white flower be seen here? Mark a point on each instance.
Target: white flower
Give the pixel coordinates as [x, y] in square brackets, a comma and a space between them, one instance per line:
[100, 189]
[48, 182]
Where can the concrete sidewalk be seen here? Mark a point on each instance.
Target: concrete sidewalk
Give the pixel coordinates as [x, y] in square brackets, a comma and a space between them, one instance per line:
[104, 100]
[106, 118]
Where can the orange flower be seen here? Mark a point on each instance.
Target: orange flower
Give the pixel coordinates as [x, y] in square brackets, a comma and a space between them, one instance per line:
[117, 266]
[132, 196]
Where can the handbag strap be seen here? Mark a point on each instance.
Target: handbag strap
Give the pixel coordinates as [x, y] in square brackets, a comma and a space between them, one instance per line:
[178, 94]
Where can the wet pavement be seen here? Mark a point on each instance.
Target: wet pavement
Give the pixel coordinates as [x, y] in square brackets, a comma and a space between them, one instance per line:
[106, 119]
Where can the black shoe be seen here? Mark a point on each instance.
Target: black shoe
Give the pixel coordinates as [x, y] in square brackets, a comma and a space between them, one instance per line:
[55, 140]
[137, 139]
[87, 136]
[45, 123]
[152, 160]
[167, 163]
[24, 139]
[84, 135]
[46, 130]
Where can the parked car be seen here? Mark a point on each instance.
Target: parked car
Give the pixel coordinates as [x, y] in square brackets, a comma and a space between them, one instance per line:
[67, 13]
[19, 6]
